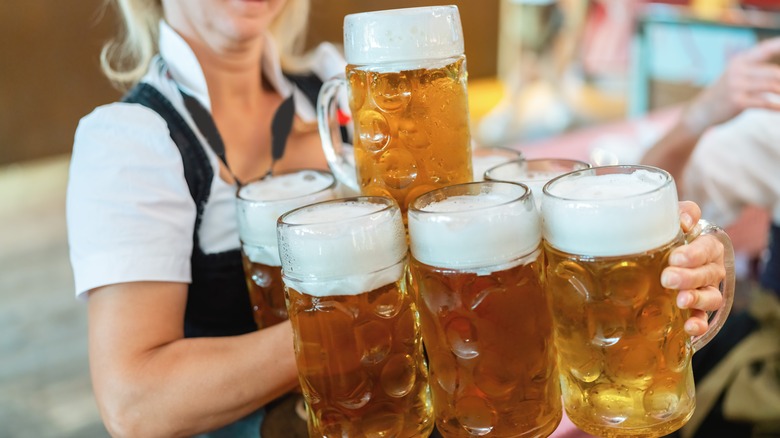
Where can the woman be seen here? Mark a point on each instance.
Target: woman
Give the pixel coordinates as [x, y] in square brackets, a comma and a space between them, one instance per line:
[152, 224]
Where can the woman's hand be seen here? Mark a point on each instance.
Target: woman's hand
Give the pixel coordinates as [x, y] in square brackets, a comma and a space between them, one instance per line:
[751, 80]
[696, 270]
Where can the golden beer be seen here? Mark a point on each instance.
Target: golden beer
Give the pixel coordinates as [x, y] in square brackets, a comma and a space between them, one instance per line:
[259, 204]
[411, 129]
[489, 344]
[266, 292]
[476, 275]
[406, 83]
[360, 363]
[624, 355]
[357, 338]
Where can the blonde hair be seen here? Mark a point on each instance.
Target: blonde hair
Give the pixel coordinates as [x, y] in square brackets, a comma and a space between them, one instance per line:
[126, 58]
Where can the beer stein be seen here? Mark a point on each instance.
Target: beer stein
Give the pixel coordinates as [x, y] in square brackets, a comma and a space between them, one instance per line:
[259, 204]
[476, 274]
[406, 82]
[624, 357]
[534, 173]
[357, 339]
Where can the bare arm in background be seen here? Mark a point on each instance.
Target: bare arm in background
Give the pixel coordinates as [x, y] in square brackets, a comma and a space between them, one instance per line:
[750, 80]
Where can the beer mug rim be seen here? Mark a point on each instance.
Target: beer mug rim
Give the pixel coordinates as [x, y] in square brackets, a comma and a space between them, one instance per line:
[620, 169]
[575, 165]
[418, 204]
[382, 36]
[388, 204]
[325, 173]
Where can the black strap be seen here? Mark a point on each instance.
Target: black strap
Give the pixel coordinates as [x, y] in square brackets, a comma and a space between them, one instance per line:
[208, 128]
[197, 171]
[217, 298]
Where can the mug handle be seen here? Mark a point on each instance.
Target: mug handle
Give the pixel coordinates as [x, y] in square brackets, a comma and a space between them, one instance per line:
[341, 166]
[717, 318]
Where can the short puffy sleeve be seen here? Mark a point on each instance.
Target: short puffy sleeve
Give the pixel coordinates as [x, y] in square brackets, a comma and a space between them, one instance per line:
[130, 215]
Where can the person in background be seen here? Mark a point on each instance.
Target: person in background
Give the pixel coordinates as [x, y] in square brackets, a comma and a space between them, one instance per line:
[152, 225]
[724, 151]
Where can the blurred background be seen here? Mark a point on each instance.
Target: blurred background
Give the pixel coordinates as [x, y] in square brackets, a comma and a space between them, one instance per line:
[606, 75]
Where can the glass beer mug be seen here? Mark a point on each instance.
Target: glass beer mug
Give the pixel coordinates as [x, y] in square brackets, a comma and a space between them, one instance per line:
[357, 339]
[534, 173]
[624, 358]
[406, 82]
[476, 274]
[259, 204]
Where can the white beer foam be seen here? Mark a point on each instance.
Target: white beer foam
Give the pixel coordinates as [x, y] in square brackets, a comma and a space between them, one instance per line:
[261, 203]
[349, 248]
[474, 232]
[400, 35]
[630, 214]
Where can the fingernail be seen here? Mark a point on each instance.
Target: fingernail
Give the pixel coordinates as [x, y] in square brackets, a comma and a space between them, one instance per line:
[684, 300]
[670, 280]
[686, 220]
[691, 327]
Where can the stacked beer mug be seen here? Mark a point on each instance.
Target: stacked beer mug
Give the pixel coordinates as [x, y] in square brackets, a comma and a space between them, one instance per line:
[435, 300]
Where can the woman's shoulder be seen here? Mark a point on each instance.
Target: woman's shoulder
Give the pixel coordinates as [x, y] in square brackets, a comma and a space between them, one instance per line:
[326, 61]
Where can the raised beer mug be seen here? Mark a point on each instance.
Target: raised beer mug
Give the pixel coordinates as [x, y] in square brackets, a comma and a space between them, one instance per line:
[476, 274]
[406, 81]
[259, 204]
[358, 344]
[624, 357]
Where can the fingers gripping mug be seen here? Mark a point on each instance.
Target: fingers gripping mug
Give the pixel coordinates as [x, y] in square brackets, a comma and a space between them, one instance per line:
[406, 80]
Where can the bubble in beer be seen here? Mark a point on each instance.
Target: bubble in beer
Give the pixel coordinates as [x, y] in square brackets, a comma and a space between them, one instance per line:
[495, 375]
[411, 133]
[605, 325]
[575, 277]
[373, 130]
[405, 328]
[661, 400]
[655, 318]
[357, 90]
[613, 402]
[388, 303]
[625, 283]
[398, 168]
[382, 420]
[392, 91]
[479, 292]
[586, 369]
[433, 75]
[373, 340]
[475, 414]
[677, 351]
[398, 375]
[439, 298]
[354, 390]
[632, 363]
[462, 338]
[324, 304]
[334, 424]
